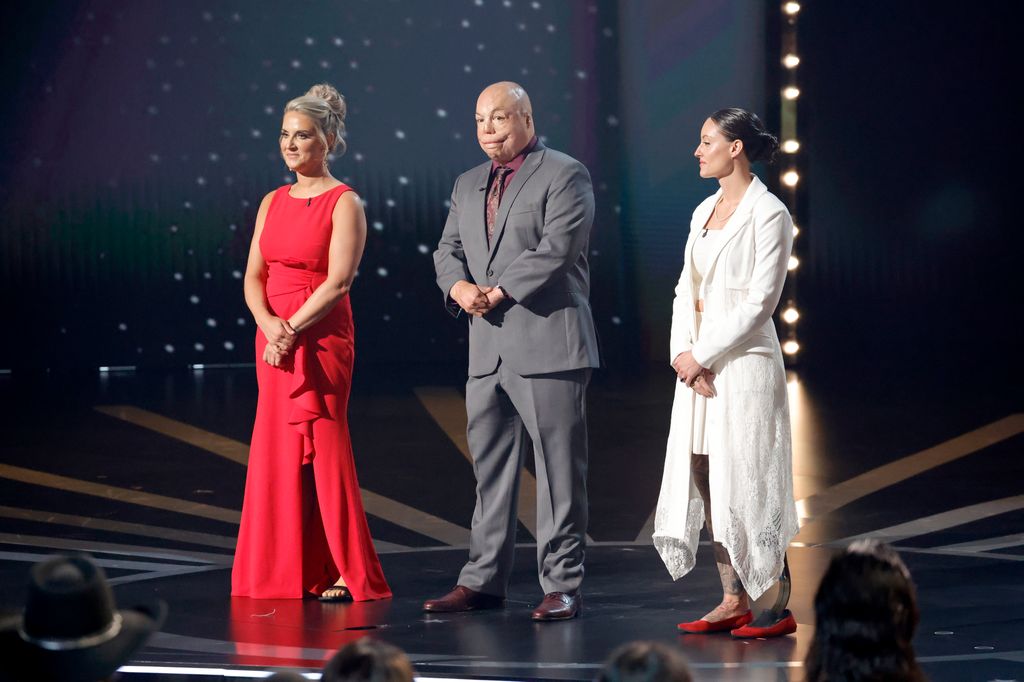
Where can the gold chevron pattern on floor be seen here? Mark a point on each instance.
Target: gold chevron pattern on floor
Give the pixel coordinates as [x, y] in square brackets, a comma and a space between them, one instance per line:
[375, 504]
[872, 481]
[121, 527]
[127, 495]
[841, 494]
[155, 498]
[446, 408]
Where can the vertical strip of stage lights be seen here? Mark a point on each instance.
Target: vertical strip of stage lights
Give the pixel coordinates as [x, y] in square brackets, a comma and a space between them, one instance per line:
[790, 178]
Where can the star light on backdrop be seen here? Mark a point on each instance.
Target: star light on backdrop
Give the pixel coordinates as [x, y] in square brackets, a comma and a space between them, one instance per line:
[163, 218]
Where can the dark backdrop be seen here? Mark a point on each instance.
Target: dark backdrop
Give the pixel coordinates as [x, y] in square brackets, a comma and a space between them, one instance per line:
[139, 138]
[912, 252]
[144, 136]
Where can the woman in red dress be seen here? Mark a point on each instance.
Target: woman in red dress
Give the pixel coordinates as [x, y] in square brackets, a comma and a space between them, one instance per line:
[303, 526]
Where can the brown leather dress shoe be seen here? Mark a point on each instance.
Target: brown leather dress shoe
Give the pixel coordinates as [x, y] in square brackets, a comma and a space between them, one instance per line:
[463, 599]
[559, 606]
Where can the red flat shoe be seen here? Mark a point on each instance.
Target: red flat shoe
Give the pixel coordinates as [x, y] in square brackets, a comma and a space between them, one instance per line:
[786, 626]
[704, 627]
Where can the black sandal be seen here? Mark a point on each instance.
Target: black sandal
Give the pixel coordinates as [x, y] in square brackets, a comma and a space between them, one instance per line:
[335, 593]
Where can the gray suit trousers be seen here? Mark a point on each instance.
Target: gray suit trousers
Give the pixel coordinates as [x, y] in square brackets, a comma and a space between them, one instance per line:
[507, 413]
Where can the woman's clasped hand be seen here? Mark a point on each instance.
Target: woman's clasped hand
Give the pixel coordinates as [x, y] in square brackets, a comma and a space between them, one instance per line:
[281, 339]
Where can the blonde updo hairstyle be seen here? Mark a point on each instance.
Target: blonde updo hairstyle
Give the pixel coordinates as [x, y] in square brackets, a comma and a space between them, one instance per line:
[326, 106]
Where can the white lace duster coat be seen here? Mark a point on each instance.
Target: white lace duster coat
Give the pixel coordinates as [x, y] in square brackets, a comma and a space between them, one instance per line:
[751, 477]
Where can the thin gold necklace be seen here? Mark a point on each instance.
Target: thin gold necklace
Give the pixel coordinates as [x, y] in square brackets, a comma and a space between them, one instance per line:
[714, 214]
[718, 217]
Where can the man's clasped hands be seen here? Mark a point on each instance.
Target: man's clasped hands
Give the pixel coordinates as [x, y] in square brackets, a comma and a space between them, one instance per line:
[476, 300]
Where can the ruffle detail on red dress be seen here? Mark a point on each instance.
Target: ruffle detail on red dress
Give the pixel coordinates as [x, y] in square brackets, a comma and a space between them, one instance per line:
[307, 402]
[305, 393]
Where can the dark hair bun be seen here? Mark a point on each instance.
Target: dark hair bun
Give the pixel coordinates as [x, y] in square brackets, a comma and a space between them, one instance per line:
[740, 124]
[769, 148]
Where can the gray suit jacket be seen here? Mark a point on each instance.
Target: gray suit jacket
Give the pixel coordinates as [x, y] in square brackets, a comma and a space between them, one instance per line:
[538, 255]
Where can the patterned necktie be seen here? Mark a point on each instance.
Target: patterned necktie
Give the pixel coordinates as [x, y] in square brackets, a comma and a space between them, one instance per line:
[494, 198]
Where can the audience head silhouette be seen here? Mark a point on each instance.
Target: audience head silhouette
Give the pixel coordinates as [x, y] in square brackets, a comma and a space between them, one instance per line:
[866, 614]
[645, 662]
[71, 629]
[368, 660]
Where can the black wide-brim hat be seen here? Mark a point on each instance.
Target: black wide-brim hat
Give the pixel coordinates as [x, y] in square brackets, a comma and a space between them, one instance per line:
[70, 629]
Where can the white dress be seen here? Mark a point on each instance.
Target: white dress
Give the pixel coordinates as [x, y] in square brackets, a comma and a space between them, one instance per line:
[747, 428]
[703, 250]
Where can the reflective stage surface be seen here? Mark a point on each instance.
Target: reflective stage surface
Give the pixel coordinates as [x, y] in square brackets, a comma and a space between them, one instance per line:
[146, 471]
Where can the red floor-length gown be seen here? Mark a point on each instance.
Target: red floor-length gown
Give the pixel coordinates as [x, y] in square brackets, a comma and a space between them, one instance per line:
[304, 526]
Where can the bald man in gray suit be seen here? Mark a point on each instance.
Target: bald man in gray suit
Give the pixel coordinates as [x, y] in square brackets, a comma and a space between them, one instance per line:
[513, 257]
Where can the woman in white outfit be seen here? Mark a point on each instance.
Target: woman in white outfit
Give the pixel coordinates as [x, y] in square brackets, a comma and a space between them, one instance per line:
[728, 461]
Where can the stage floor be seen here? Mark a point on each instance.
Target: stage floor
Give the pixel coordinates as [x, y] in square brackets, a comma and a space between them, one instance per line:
[145, 471]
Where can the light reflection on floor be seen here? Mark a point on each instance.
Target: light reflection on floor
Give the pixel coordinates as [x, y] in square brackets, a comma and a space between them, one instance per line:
[163, 519]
